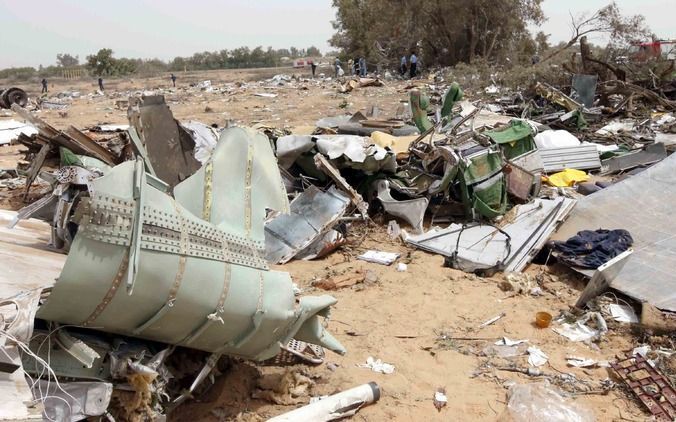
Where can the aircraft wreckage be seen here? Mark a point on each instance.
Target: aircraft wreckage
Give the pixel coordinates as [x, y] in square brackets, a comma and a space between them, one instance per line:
[186, 269]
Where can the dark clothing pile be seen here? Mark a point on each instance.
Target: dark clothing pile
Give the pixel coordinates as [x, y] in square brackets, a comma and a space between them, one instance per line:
[591, 249]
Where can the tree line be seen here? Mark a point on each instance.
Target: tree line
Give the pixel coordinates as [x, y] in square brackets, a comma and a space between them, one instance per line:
[104, 63]
[448, 32]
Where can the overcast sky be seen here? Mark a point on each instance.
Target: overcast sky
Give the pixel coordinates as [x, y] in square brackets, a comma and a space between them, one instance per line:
[32, 32]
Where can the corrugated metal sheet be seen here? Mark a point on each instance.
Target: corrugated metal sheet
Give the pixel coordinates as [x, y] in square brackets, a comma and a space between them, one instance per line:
[644, 205]
[482, 247]
[582, 157]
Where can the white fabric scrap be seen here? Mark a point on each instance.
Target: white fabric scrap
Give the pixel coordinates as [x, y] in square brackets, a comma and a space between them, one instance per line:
[377, 365]
[536, 357]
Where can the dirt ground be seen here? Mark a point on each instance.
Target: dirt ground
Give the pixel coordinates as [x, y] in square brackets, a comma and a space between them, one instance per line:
[397, 318]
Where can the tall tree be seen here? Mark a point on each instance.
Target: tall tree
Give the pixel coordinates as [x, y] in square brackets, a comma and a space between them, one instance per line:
[67, 60]
[446, 31]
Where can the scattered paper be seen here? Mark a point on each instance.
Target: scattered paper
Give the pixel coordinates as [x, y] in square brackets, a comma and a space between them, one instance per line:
[265, 94]
[401, 267]
[536, 357]
[508, 342]
[623, 313]
[385, 258]
[580, 362]
[377, 366]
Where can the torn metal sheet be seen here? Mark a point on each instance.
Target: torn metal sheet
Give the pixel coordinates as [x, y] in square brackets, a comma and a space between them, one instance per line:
[650, 155]
[643, 205]
[205, 137]
[322, 246]
[27, 260]
[603, 278]
[519, 181]
[11, 129]
[16, 320]
[169, 147]
[556, 96]
[358, 152]
[582, 157]
[189, 271]
[74, 401]
[584, 88]
[332, 122]
[511, 247]
[412, 210]
[82, 144]
[313, 213]
[110, 128]
[325, 166]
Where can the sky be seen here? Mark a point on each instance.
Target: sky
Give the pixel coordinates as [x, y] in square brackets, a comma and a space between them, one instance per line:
[33, 32]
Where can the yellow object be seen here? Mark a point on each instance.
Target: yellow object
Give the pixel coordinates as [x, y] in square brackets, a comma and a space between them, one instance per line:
[568, 177]
[398, 144]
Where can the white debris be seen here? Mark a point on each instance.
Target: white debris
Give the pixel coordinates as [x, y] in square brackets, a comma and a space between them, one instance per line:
[536, 357]
[641, 350]
[377, 365]
[11, 129]
[265, 94]
[379, 257]
[492, 320]
[401, 267]
[580, 362]
[579, 331]
[623, 313]
[555, 139]
[440, 399]
[508, 342]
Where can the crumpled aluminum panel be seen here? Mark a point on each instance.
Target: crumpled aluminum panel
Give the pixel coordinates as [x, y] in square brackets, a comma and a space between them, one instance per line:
[176, 296]
[313, 213]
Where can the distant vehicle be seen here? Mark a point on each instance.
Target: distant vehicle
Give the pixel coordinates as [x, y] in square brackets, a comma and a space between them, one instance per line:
[643, 51]
[300, 63]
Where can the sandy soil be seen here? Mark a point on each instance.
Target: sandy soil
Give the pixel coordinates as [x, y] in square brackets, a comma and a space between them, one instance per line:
[397, 318]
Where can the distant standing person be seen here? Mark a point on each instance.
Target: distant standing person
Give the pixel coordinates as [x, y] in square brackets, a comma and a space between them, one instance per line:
[173, 79]
[362, 67]
[402, 65]
[337, 65]
[414, 64]
[44, 85]
[313, 65]
[101, 84]
[355, 69]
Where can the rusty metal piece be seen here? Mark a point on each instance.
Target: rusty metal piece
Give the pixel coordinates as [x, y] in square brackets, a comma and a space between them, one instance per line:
[651, 387]
[80, 144]
[557, 97]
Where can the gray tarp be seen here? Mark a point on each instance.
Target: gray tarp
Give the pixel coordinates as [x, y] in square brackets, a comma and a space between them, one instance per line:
[644, 205]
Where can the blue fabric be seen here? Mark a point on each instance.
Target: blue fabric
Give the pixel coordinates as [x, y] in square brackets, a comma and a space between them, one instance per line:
[591, 249]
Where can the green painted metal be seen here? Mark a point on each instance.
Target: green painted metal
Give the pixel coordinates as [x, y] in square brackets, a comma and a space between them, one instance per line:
[198, 283]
